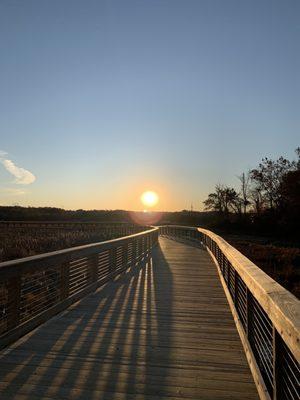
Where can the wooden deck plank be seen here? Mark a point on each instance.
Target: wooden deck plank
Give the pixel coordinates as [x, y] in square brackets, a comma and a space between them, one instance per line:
[163, 330]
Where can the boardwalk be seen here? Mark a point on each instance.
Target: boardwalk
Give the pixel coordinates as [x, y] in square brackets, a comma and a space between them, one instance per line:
[162, 330]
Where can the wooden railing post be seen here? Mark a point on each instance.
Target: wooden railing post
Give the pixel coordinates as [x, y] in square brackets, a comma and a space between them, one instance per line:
[94, 268]
[145, 240]
[64, 283]
[137, 251]
[14, 299]
[142, 250]
[112, 259]
[125, 255]
[133, 261]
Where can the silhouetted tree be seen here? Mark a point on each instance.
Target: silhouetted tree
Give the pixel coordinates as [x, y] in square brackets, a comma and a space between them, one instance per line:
[223, 200]
[269, 199]
[268, 177]
[297, 163]
[290, 201]
[245, 190]
[257, 199]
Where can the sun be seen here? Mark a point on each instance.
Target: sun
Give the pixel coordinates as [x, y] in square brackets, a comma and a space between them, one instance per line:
[149, 199]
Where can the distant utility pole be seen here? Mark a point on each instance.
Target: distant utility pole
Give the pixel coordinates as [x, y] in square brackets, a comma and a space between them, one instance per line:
[192, 208]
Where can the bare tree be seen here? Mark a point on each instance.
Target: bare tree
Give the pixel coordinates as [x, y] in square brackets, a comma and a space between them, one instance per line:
[297, 163]
[245, 189]
[257, 198]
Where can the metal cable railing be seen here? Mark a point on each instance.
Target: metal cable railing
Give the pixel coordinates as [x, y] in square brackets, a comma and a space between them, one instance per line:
[35, 288]
[269, 315]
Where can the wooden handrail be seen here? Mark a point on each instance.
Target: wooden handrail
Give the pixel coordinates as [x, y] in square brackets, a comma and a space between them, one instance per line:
[9, 268]
[268, 314]
[282, 307]
[33, 289]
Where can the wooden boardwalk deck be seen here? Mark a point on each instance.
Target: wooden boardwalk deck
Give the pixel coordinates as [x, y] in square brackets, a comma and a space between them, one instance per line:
[162, 330]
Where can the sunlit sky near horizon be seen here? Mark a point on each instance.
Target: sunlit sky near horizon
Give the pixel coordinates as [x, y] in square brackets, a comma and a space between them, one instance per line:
[103, 100]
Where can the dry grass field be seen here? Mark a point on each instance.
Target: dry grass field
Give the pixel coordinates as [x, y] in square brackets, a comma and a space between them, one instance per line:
[25, 241]
[280, 262]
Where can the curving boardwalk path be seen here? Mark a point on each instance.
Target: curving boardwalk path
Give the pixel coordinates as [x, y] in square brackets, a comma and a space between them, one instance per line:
[162, 330]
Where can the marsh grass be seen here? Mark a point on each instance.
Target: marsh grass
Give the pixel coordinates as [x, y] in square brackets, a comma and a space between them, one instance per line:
[18, 242]
[281, 263]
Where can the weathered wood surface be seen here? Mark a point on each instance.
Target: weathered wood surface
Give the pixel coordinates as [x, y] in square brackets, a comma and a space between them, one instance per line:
[162, 330]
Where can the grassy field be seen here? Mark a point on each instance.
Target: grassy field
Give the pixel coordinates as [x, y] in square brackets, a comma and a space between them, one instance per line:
[280, 262]
[18, 242]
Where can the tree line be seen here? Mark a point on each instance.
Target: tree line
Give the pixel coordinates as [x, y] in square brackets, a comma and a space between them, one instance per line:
[18, 213]
[268, 197]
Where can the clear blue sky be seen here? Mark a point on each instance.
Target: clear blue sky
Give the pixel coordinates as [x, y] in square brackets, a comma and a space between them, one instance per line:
[101, 100]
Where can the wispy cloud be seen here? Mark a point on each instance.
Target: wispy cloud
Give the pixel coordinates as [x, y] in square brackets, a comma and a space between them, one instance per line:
[13, 192]
[22, 176]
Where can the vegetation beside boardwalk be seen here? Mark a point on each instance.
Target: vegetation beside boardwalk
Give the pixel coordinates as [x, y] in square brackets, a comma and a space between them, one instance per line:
[263, 214]
[18, 242]
[279, 262]
[267, 203]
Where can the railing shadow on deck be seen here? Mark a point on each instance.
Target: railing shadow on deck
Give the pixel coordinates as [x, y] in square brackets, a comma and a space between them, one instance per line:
[266, 315]
[161, 296]
[107, 342]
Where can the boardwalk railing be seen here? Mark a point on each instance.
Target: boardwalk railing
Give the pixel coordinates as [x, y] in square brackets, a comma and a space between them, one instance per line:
[267, 315]
[33, 289]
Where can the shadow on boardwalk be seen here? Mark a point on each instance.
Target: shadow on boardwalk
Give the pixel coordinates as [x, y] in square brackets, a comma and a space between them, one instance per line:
[103, 347]
[161, 330]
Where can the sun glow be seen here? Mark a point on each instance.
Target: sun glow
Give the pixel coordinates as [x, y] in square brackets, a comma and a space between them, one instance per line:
[149, 199]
